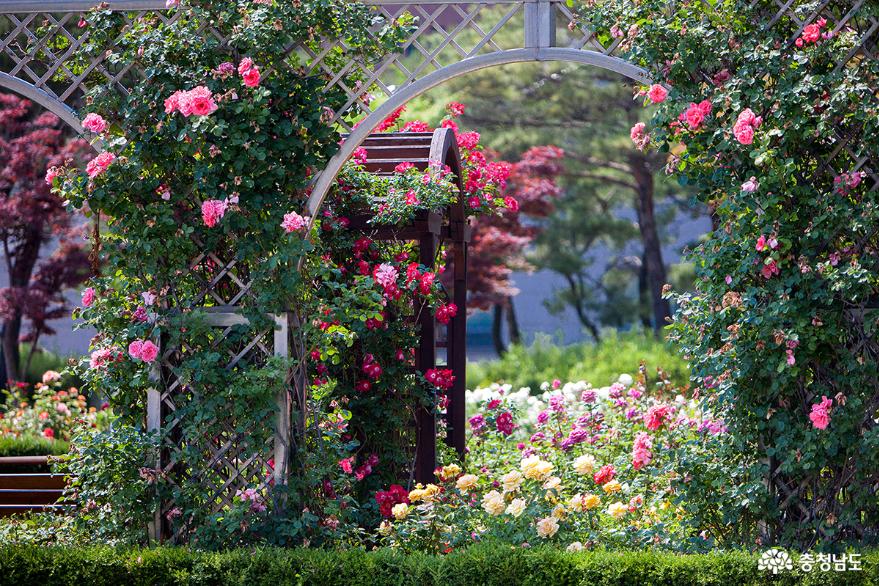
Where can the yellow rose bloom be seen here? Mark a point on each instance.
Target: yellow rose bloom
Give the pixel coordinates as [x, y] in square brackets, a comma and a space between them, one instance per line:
[493, 503]
[617, 510]
[552, 483]
[576, 503]
[575, 547]
[512, 481]
[466, 482]
[449, 472]
[425, 494]
[400, 510]
[516, 507]
[547, 527]
[585, 464]
[385, 528]
[536, 469]
[612, 487]
[559, 512]
[590, 501]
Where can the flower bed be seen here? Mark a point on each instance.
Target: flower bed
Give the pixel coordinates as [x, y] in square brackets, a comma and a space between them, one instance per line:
[575, 465]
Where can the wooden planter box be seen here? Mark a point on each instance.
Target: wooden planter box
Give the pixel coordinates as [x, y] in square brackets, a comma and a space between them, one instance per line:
[28, 491]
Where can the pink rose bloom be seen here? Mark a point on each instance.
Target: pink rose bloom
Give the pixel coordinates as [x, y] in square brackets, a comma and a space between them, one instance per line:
[468, 140]
[94, 123]
[416, 126]
[88, 297]
[411, 198]
[761, 243]
[149, 351]
[385, 275]
[135, 349]
[639, 136]
[212, 211]
[148, 298]
[51, 173]
[456, 108]
[359, 156]
[656, 416]
[504, 423]
[820, 415]
[172, 103]
[403, 167]
[744, 133]
[747, 117]
[657, 93]
[511, 203]
[251, 77]
[770, 269]
[140, 314]
[751, 185]
[347, 465]
[201, 101]
[172, 3]
[245, 65]
[99, 164]
[694, 117]
[293, 222]
[641, 454]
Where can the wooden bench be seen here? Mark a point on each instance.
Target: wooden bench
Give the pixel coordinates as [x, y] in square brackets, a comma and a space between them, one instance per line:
[28, 491]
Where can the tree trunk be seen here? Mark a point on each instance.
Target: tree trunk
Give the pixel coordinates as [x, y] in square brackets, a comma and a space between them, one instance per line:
[3, 377]
[11, 357]
[653, 263]
[644, 296]
[496, 329]
[513, 323]
[581, 311]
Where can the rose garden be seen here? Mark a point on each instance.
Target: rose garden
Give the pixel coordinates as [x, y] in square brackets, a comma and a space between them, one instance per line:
[278, 253]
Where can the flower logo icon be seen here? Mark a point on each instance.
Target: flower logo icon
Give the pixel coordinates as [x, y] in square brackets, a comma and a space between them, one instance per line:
[775, 560]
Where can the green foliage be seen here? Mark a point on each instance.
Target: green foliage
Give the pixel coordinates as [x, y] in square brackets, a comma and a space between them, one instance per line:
[32, 446]
[773, 121]
[600, 364]
[485, 564]
[110, 480]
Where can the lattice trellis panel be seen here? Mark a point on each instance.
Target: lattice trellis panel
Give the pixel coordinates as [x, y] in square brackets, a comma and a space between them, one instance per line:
[231, 455]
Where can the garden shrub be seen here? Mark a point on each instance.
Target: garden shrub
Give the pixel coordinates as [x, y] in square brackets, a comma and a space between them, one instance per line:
[772, 120]
[486, 564]
[600, 363]
[32, 446]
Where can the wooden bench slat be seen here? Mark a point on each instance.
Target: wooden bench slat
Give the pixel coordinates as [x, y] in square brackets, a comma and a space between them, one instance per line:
[29, 481]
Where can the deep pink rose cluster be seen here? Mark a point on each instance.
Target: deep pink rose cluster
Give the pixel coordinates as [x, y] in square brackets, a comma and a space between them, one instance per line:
[199, 101]
[143, 350]
[695, 114]
[249, 72]
[99, 164]
[746, 125]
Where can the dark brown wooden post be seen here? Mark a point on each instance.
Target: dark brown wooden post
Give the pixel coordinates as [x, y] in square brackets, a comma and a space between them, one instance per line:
[457, 341]
[425, 419]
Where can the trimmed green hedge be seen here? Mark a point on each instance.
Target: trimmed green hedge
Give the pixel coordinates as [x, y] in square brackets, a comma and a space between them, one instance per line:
[32, 446]
[481, 564]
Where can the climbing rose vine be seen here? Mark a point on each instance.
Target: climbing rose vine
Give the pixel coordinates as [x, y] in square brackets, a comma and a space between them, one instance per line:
[772, 122]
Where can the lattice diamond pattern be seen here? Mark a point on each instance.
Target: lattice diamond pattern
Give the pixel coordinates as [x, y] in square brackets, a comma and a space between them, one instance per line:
[232, 457]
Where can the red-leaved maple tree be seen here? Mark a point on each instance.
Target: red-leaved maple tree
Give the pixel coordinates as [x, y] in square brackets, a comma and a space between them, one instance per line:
[34, 223]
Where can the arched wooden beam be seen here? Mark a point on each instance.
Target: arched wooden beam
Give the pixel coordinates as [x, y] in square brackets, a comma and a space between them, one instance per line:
[43, 98]
[440, 76]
